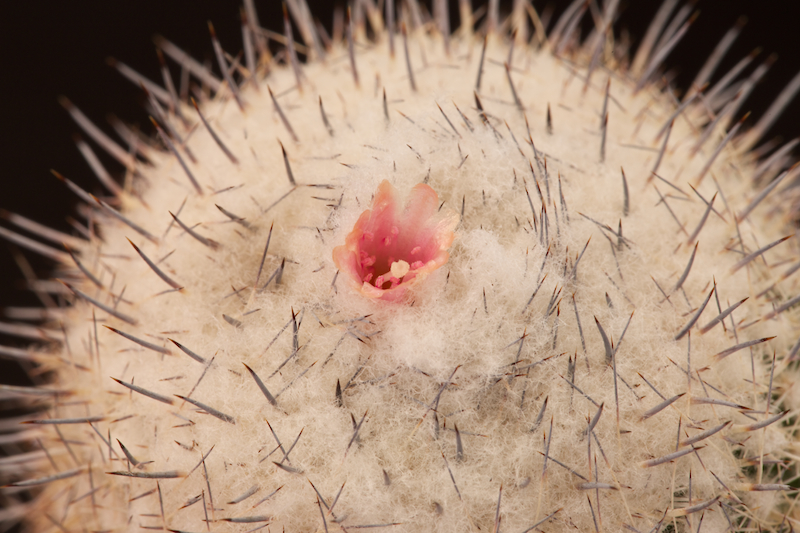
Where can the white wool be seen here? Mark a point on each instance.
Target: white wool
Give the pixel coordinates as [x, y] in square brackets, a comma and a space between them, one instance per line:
[467, 348]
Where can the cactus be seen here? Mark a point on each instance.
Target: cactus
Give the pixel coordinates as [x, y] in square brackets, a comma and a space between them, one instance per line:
[423, 281]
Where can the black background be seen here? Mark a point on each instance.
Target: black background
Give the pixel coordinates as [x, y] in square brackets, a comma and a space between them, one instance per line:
[52, 48]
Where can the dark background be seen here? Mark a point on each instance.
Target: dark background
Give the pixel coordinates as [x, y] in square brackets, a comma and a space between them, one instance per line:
[60, 48]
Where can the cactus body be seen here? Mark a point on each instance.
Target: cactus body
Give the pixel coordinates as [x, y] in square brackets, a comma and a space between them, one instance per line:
[610, 343]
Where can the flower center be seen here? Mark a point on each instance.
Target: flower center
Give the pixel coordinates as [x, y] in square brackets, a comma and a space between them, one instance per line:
[400, 268]
[386, 257]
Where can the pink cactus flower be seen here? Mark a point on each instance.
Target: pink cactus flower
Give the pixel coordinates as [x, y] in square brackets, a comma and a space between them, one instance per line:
[390, 249]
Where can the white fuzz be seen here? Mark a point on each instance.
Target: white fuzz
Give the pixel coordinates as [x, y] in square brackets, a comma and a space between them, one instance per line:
[469, 399]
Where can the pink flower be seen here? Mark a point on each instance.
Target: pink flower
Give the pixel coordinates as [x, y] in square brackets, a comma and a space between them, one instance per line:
[390, 249]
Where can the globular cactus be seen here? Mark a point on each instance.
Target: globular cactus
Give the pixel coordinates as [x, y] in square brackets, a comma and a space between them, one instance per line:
[426, 280]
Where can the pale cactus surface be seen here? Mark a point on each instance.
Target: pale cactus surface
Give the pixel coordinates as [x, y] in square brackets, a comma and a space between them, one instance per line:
[610, 343]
